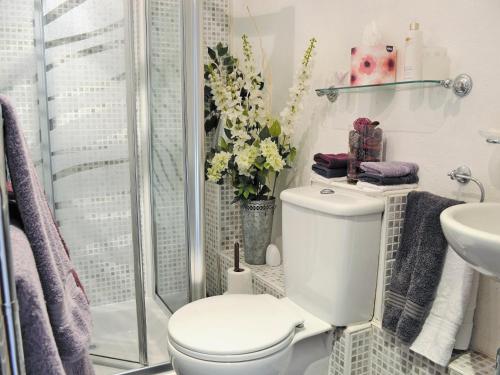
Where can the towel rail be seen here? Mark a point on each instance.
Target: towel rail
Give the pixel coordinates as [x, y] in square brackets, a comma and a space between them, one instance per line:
[463, 175]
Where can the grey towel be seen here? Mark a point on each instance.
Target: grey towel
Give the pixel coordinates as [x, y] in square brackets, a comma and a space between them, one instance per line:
[390, 168]
[418, 266]
[380, 180]
[67, 305]
[329, 172]
[40, 350]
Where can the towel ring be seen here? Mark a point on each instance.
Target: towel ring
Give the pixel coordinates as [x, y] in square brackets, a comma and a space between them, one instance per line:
[463, 175]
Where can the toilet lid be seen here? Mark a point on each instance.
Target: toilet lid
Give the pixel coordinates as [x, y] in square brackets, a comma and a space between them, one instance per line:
[233, 324]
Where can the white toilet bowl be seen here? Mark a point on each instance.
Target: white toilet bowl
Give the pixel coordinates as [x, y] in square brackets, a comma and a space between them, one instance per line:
[247, 335]
[330, 255]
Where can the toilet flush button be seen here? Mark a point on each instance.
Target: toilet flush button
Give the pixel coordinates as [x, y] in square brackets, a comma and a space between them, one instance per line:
[327, 191]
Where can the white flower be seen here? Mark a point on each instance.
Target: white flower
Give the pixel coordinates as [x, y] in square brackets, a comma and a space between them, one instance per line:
[245, 158]
[269, 150]
[294, 104]
[218, 166]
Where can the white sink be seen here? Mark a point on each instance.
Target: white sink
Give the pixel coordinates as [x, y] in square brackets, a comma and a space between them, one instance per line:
[473, 231]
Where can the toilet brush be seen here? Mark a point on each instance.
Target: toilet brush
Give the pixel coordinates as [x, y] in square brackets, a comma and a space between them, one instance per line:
[237, 257]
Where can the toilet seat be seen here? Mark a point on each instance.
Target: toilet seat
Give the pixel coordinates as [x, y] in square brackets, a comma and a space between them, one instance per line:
[232, 358]
[233, 328]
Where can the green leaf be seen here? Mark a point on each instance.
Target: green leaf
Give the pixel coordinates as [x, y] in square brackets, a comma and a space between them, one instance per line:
[264, 133]
[211, 123]
[223, 145]
[275, 129]
[262, 176]
[293, 154]
[264, 190]
[222, 50]
[252, 189]
[228, 61]
[212, 54]
[227, 132]
[246, 194]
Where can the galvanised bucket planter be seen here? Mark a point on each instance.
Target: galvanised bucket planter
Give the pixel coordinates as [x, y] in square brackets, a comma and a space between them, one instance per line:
[257, 222]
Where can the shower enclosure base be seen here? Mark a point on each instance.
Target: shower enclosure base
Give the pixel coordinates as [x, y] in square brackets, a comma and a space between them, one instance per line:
[115, 332]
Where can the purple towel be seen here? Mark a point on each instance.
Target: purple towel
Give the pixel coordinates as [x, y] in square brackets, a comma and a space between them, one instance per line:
[332, 161]
[67, 305]
[377, 179]
[389, 168]
[40, 350]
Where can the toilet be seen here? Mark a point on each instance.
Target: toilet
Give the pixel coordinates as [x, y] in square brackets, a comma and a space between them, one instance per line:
[331, 241]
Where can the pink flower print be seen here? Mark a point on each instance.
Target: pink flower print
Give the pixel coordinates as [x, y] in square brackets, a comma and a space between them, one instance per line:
[354, 77]
[367, 65]
[388, 65]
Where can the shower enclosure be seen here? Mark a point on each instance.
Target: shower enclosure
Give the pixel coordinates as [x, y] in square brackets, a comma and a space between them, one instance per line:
[108, 94]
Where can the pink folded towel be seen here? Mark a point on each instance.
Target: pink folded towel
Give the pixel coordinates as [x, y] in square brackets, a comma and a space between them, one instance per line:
[332, 161]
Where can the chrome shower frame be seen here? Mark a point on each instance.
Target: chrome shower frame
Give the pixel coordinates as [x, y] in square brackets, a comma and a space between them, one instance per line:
[139, 93]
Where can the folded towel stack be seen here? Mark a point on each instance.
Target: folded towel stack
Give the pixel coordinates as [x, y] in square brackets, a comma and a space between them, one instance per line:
[389, 173]
[331, 165]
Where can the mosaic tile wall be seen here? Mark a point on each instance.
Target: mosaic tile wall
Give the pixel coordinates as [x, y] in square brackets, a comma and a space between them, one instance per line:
[18, 76]
[222, 222]
[86, 88]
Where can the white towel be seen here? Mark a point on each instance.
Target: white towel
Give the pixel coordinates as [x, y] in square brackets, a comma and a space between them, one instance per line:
[366, 186]
[464, 335]
[449, 309]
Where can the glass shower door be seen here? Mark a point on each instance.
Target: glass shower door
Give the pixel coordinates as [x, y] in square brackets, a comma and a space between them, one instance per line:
[83, 46]
[168, 183]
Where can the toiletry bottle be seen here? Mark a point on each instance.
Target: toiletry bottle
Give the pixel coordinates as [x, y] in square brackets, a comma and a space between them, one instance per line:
[413, 54]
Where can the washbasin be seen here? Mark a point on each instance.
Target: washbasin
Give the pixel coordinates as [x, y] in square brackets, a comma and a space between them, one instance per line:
[473, 231]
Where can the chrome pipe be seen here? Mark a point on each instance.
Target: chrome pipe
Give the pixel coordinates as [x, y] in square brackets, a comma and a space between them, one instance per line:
[43, 105]
[140, 297]
[497, 365]
[11, 345]
[194, 144]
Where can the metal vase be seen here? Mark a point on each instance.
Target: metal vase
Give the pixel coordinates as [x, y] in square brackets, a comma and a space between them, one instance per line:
[257, 222]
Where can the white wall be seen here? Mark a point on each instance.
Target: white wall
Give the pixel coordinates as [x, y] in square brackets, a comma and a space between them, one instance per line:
[431, 127]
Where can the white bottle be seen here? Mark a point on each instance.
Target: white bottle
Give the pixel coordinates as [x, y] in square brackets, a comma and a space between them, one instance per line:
[412, 69]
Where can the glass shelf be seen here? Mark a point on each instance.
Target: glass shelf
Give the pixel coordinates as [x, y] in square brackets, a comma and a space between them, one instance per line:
[333, 92]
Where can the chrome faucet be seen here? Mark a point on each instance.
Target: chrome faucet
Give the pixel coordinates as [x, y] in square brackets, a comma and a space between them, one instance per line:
[463, 175]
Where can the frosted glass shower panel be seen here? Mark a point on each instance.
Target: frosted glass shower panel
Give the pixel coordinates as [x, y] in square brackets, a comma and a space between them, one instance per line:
[86, 91]
[167, 152]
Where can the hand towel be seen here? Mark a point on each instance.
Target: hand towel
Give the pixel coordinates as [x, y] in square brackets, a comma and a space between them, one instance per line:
[67, 305]
[377, 179]
[40, 350]
[455, 290]
[418, 266]
[366, 186]
[329, 173]
[390, 168]
[464, 335]
[332, 160]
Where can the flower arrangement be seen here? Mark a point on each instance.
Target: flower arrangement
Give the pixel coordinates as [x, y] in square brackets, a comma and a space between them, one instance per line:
[254, 147]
